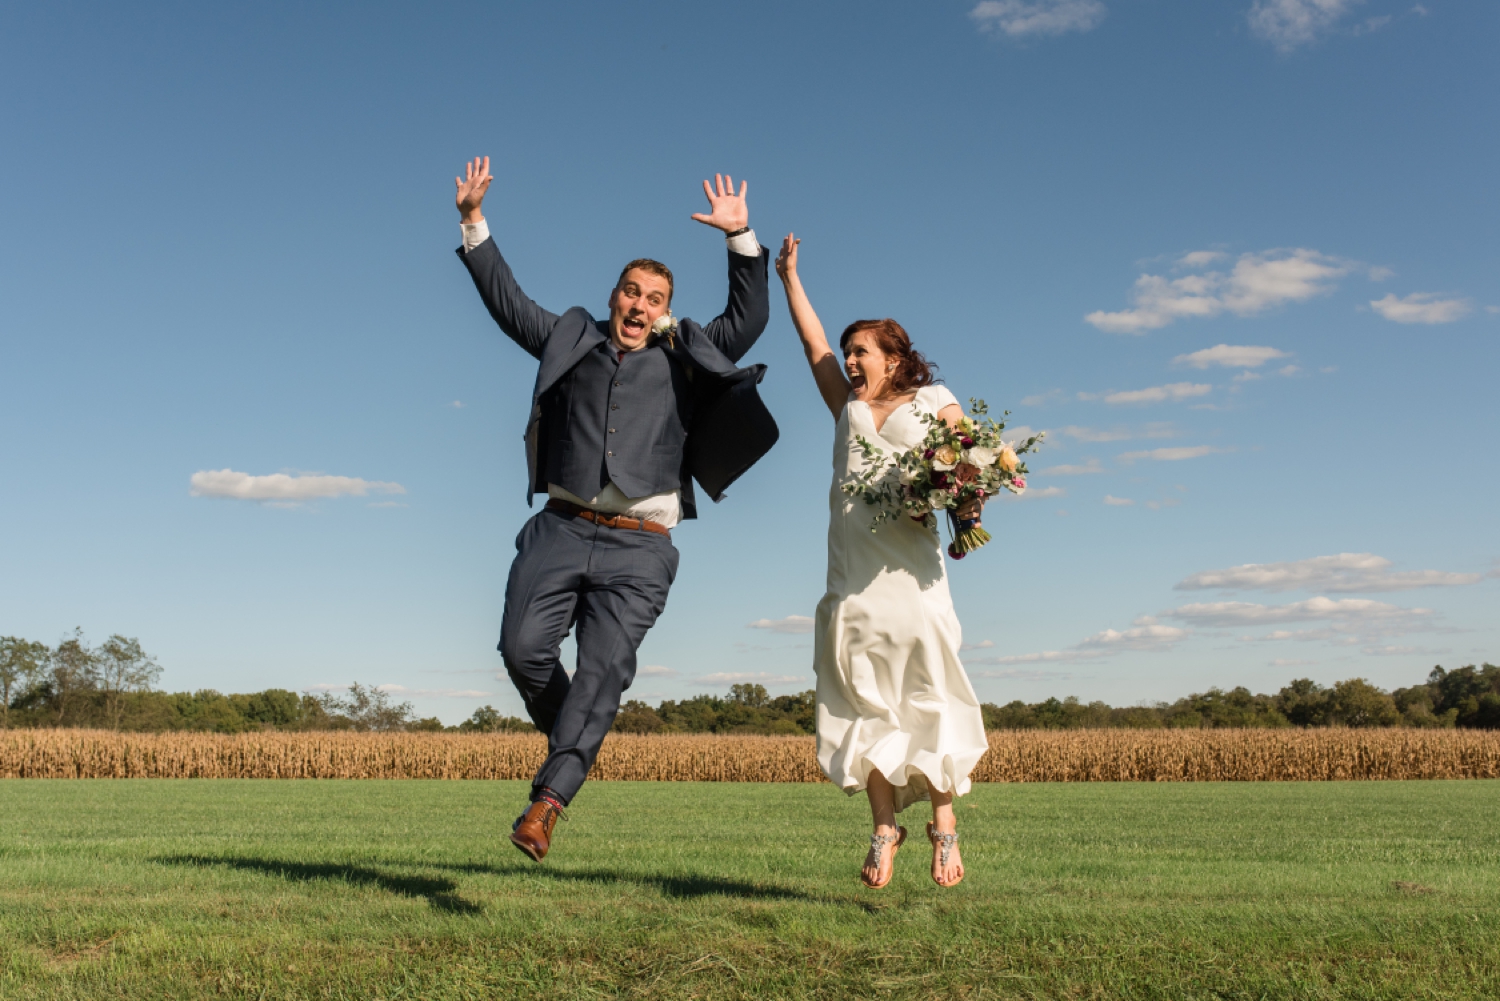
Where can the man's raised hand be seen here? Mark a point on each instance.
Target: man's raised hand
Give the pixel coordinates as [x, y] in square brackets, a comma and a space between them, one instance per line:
[730, 212]
[473, 185]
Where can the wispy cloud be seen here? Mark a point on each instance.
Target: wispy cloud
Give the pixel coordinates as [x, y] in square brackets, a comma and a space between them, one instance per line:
[791, 624]
[1256, 283]
[1114, 501]
[1229, 356]
[1025, 18]
[1289, 24]
[1341, 573]
[1171, 454]
[1038, 493]
[981, 645]
[1170, 393]
[1157, 429]
[655, 671]
[285, 487]
[434, 693]
[1088, 467]
[1244, 613]
[757, 678]
[1146, 634]
[1421, 307]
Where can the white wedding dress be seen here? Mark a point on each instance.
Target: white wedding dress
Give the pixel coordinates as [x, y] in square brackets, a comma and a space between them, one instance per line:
[892, 695]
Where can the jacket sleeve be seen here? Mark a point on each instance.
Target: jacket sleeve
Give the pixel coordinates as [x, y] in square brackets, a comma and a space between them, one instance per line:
[736, 330]
[523, 321]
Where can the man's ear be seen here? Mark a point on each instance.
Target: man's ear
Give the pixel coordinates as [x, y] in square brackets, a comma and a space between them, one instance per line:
[614, 294]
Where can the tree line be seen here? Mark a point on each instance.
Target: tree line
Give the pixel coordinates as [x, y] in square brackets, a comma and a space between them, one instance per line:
[112, 686]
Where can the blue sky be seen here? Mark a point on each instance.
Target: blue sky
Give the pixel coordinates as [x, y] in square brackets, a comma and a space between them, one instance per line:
[1238, 259]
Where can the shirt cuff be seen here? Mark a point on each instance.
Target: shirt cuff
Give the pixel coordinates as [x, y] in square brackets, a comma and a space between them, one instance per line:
[476, 233]
[745, 244]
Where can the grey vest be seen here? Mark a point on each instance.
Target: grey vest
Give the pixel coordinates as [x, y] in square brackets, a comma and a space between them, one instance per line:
[617, 419]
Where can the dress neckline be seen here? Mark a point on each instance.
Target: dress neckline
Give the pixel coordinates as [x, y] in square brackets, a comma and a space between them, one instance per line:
[871, 410]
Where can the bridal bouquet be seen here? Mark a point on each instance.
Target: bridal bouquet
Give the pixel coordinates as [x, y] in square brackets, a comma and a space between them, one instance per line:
[950, 467]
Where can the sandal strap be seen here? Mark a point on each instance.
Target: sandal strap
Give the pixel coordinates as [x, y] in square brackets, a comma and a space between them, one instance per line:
[947, 842]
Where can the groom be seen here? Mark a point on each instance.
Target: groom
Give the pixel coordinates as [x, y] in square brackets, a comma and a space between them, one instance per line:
[625, 414]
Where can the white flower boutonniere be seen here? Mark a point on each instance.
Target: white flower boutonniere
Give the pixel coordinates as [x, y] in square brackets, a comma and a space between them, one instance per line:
[665, 326]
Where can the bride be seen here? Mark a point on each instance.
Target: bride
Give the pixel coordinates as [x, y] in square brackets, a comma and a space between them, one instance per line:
[897, 716]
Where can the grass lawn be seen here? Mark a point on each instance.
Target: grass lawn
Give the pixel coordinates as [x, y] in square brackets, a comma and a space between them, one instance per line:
[367, 889]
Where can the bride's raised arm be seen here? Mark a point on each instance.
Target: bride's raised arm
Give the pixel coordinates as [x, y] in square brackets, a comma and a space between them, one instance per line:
[833, 385]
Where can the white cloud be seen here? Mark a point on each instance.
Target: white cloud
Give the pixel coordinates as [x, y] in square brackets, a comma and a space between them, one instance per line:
[1247, 376]
[1200, 258]
[1017, 433]
[1345, 572]
[1150, 636]
[981, 645]
[1372, 24]
[1244, 613]
[760, 678]
[1022, 18]
[1288, 24]
[1257, 282]
[1421, 307]
[283, 486]
[1114, 501]
[457, 404]
[655, 671]
[790, 624]
[1380, 273]
[1283, 662]
[1170, 393]
[1172, 454]
[1091, 466]
[1229, 356]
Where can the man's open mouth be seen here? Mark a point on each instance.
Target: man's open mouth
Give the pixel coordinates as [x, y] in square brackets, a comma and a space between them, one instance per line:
[633, 325]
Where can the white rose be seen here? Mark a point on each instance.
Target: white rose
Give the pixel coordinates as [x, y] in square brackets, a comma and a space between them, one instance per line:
[979, 456]
[664, 324]
[938, 499]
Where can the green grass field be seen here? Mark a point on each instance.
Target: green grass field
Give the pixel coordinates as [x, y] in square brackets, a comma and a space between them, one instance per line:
[365, 889]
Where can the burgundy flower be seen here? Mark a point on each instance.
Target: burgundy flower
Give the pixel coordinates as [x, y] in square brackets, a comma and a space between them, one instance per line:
[968, 442]
[939, 479]
[928, 454]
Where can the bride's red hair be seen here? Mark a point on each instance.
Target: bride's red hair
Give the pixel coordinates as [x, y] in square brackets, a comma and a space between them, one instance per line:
[912, 370]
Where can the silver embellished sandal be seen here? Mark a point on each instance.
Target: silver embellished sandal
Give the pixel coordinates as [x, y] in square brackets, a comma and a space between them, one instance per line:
[878, 844]
[943, 845]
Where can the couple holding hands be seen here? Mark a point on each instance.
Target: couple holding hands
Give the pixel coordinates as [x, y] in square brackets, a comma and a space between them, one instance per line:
[627, 412]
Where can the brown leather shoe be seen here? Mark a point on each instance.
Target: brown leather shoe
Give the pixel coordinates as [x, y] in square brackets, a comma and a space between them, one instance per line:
[533, 829]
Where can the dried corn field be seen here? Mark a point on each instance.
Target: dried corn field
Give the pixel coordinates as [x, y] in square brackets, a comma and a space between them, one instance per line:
[1026, 756]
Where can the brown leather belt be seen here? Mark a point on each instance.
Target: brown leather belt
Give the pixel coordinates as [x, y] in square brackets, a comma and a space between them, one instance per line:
[607, 520]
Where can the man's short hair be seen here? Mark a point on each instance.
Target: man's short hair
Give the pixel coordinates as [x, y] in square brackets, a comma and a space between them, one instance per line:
[651, 267]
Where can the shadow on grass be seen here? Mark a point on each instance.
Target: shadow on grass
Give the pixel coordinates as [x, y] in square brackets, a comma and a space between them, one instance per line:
[679, 887]
[440, 893]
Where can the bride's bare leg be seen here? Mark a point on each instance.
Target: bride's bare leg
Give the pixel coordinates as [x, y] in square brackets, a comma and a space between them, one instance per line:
[944, 822]
[877, 868]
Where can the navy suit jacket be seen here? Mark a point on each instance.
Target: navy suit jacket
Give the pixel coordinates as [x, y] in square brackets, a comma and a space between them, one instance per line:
[730, 426]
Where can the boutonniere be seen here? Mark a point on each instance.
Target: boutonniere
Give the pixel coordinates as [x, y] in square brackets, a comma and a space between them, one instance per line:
[666, 326]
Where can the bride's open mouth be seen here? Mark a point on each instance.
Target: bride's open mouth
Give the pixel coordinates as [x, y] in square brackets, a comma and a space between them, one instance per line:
[856, 381]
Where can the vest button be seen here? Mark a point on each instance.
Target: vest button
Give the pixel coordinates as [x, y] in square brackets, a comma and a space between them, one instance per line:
[609, 453]
[611, 430]
[614, 406]
[616, 383]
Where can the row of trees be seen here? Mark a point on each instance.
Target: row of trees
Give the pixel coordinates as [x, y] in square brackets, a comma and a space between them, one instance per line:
[1465, 697]
[113, 686]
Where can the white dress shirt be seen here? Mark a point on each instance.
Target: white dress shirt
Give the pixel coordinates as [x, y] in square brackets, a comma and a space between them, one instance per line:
[665, 508]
